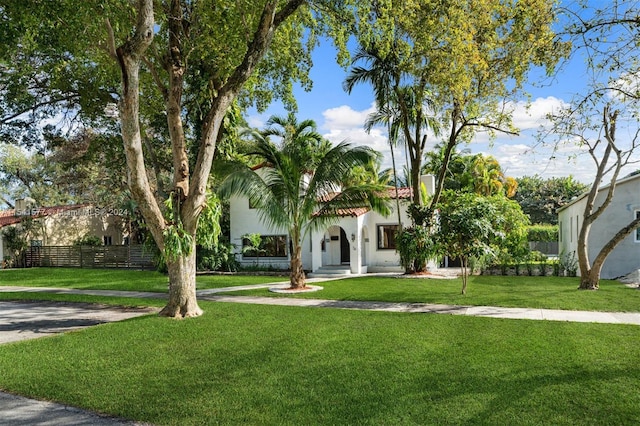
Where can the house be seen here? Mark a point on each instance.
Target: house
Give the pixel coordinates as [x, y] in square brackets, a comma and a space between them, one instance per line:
[60, 225]
[360, 241]
[624, 207]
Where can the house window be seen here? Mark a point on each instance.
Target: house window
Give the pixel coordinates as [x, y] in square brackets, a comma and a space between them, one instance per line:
[637, 239]
[107, 240]
[270, 246]
[387, 237]
[36, 243]
[560, 231]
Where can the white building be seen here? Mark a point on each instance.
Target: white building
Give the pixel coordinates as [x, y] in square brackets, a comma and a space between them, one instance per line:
[360, 241]
[624, 207]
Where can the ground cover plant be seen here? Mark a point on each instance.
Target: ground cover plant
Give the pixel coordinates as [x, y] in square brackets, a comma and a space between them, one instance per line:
[507, 291]
[118, 279]
[247, 364]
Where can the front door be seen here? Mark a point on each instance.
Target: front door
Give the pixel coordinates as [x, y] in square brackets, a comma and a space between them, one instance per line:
[345, 256]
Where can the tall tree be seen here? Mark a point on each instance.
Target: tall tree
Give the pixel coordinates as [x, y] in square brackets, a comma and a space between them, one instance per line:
[382, 73]
[294, 190]
[540, 198]
[187, 60]
[608, 39]
[460, 74]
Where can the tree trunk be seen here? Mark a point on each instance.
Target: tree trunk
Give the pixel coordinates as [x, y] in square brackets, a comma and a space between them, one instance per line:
[465, 275]
[591, 280]
[182, 288]
[297, 277]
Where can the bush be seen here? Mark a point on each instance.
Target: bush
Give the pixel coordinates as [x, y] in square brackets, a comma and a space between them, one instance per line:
[545, 232]
[88, 240]
[219, 258]
[415, 247]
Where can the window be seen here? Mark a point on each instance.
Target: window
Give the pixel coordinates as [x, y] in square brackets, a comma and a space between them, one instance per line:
[36, 243]
[387, 236]
[637, 239]
[106, 240]
[270, 246]
[560, 231]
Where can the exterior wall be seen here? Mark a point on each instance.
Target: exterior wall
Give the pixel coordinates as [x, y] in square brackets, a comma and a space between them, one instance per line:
[383, 259]
[625, 258]
[65, 227]
[245, 220]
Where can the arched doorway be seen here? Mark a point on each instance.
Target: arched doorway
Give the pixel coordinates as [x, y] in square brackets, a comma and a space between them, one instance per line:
[336, 248]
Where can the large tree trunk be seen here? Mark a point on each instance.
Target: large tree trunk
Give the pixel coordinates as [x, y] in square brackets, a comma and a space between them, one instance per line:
[182, 288]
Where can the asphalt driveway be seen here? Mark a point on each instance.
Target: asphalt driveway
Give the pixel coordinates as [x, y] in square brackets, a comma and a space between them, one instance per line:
[29, 320]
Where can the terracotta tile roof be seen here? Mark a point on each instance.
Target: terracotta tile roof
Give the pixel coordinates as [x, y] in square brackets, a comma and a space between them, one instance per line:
[403, 193]
[10, 217]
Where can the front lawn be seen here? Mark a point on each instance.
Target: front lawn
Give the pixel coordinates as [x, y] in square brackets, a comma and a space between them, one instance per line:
[117, 279]
[522, 291]
[247, 364]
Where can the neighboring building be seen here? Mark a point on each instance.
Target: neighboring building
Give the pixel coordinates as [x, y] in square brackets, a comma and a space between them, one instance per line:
[61, 225]
[624, 207]
[360, 241]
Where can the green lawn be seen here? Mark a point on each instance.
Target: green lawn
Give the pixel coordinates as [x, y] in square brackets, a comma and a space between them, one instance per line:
[247, 364]
[117, 279]
[525, 292]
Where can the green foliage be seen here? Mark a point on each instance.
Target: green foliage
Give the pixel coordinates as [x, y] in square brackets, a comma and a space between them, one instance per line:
[542, 232]
[541, 198]
[568, 264]
[177, 243]
[14, 240]
[254, 248]
[209, 223]
[473, 226]
[416, 246]
[88, 240]
[218, 258]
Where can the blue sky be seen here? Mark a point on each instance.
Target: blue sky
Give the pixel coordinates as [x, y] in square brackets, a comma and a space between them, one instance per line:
[340, 116]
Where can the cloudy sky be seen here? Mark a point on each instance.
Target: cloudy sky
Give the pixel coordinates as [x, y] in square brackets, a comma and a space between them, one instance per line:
[340, 116]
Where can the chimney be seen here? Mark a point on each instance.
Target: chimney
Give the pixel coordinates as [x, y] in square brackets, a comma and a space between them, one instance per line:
[429, 182]
[24, 206]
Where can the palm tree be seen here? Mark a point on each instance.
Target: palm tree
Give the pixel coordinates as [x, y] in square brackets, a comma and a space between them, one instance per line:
[383, 75]
[297, 187]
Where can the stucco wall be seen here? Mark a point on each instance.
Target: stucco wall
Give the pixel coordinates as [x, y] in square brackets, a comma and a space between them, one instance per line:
[625, 258]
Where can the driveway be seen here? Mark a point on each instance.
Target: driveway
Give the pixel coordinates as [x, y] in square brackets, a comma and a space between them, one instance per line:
[29, 320]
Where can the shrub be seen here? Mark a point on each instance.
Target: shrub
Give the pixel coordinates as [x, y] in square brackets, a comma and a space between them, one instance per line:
[543, 232]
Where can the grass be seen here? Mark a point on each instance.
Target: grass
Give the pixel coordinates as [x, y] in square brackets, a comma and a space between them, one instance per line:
[117, 279]
[523, 291]
[286, 365]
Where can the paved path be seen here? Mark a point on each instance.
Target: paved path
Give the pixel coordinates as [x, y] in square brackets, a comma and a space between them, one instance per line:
[18, 411]
[478, 311]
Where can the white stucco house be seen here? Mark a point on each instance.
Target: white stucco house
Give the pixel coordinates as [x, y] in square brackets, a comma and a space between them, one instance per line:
[360, 241]
[624, 207]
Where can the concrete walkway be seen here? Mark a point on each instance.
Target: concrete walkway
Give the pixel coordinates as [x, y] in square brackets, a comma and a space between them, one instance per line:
[481, 311]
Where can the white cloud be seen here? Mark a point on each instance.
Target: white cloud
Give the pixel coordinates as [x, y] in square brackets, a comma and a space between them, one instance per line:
[533, 115]
[345, 118]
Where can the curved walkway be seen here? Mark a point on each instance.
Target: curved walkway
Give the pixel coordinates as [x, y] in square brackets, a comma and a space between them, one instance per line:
[480, 311]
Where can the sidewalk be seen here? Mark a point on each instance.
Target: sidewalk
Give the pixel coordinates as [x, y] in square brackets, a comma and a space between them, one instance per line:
[480, 311]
